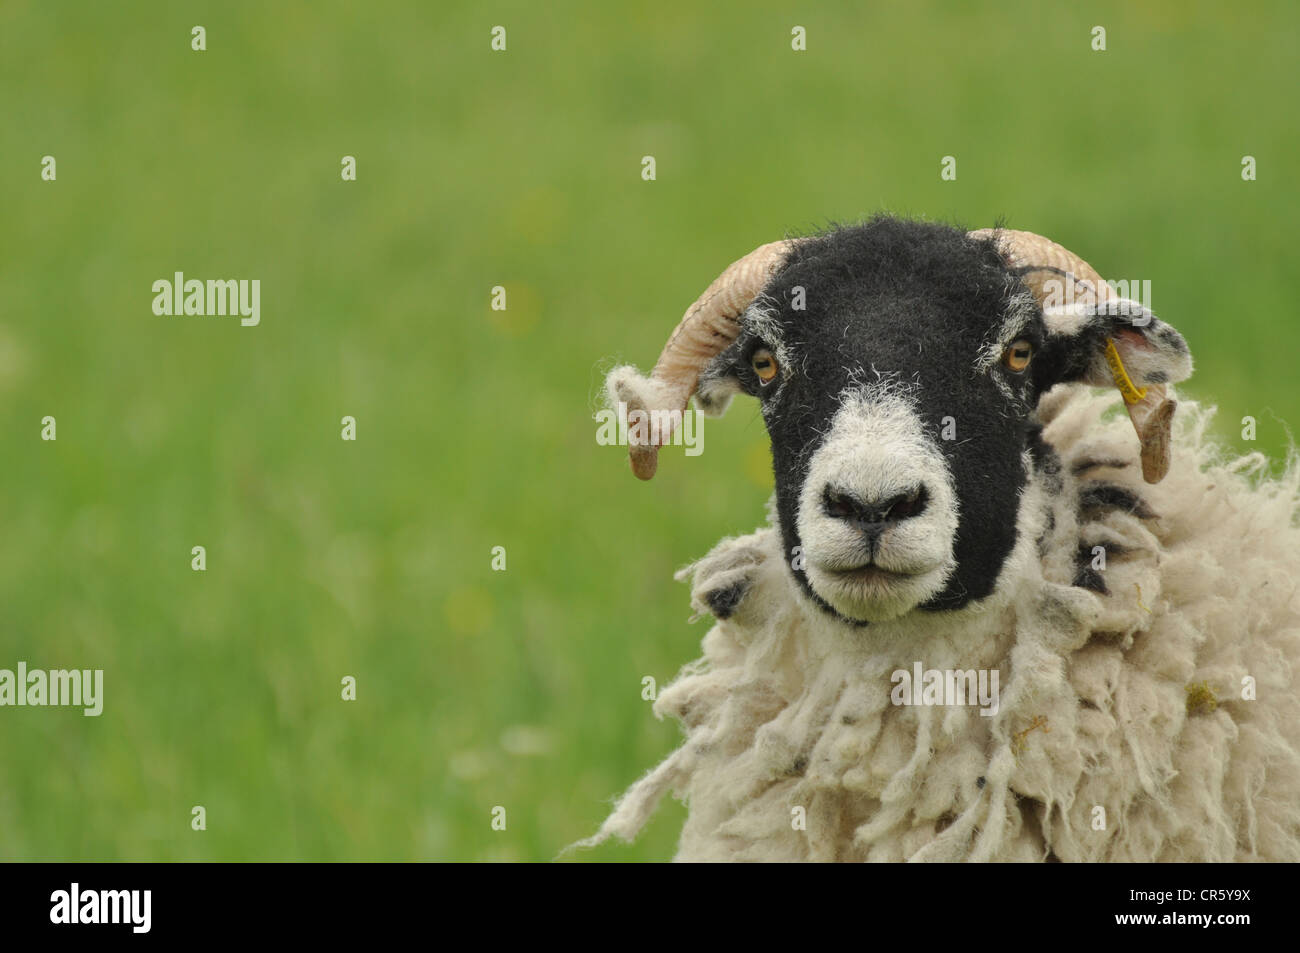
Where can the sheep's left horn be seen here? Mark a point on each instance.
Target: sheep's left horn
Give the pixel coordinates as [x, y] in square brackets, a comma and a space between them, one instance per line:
[1052, 271]
[705, 331]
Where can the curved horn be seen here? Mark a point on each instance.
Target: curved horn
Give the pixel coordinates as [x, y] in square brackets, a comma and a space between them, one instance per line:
[1044, 266]
[706, 329]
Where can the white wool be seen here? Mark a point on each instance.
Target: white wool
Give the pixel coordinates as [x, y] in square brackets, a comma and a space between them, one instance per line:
[1104, 700]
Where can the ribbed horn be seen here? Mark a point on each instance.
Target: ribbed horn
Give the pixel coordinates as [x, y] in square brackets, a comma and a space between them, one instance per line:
[1053, 271]
[706, 329]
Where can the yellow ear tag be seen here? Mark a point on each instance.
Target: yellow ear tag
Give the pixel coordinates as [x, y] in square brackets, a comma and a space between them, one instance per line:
[1125, 384]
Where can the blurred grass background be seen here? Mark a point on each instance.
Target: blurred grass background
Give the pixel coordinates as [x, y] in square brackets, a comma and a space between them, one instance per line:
[326, 558]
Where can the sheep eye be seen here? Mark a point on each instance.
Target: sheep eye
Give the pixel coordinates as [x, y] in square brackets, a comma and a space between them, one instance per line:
[1017, 356]
[764, 364]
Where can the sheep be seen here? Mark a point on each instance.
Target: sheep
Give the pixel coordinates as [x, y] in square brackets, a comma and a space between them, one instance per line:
[956, 503]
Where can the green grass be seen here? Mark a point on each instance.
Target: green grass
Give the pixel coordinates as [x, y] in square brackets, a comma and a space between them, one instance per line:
[521, 169]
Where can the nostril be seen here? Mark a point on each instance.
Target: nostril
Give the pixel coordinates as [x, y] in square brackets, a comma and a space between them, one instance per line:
[908, 504]
[845, 506]
[840, 505]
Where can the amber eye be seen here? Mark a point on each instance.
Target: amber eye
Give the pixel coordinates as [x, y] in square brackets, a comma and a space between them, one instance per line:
[764, 364]
[1017, 356]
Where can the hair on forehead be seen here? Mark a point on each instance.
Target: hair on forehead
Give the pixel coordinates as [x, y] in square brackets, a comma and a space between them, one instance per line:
[885, 255]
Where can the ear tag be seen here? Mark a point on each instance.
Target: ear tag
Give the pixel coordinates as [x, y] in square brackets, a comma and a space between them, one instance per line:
[1125, 384]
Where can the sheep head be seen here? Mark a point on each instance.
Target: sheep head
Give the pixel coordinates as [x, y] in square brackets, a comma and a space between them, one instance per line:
[898, 366]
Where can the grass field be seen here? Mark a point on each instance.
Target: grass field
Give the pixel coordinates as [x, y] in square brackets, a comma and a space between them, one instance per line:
[521, 169]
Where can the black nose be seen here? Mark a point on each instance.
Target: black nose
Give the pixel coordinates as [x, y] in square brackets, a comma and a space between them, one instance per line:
[874, 518]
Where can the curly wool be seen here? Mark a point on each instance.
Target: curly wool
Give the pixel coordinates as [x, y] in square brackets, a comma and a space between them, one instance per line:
[1122, 734]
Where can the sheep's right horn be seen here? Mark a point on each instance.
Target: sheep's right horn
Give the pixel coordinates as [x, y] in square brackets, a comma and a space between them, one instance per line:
[705, 331]
[1045, 266]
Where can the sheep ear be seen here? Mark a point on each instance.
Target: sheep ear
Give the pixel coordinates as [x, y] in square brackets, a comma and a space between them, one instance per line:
[1118, 343]
[1115, 342]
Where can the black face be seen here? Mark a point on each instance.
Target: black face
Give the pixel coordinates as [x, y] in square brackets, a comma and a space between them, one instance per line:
[899, 402]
